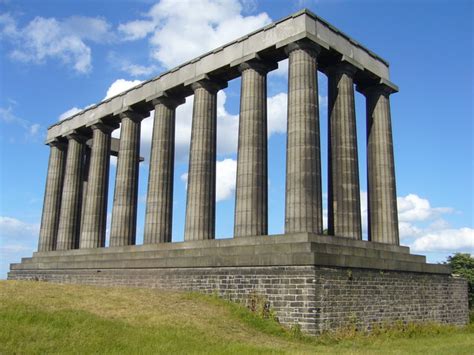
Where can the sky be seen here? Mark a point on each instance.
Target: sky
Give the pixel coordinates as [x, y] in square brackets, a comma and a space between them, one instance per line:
[58, 57]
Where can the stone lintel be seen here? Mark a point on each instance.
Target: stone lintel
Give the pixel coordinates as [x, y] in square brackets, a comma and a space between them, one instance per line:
[267, 42]
[383, 86]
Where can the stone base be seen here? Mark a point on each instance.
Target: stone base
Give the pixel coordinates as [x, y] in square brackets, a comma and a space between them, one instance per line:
[318, 282]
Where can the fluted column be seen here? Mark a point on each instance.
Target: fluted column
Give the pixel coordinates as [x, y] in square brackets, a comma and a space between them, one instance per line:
[251, 202]
[382, 194]
[52, 197]
[159, 203]
[70, 216]
[303, 205]
[344, 215]
[85, 179]
[124, 211]
[95, 208]
[201, 194]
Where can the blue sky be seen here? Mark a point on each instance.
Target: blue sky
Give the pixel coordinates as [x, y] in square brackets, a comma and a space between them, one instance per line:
[57, 57]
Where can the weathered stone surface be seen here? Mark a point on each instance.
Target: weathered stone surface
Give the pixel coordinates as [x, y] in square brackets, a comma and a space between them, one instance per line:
[159, 203]
[382, 192]
[344, 215]
[303, 203]
[124, 212]
[201, 191]
[70, 216]
[251, 192]
[95, 210]
[316, 298]
[52, 197]
[273, 37]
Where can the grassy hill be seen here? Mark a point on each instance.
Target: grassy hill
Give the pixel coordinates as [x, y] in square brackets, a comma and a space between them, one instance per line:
[38, 317]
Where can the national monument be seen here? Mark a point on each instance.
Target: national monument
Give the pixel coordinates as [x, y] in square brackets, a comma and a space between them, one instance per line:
[318, 281]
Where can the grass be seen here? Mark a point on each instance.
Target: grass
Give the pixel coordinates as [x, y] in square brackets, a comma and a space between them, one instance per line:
[38, 317]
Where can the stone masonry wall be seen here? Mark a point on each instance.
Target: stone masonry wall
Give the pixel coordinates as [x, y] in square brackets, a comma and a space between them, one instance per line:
[316, 298]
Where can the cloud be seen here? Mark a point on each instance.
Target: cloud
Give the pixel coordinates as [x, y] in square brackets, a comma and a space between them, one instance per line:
[7, 116]
[276, 113]
[48, 38]
[14, 229]
[414, 208]
[461, 239]
[126, 66]
[226, 174]
[180, 31]
[119, 86]
[423, 228]
[69, 113]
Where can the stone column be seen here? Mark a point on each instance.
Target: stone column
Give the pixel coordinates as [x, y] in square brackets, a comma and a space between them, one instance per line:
[159, 203]
[344, 215]
[52, 197]
[251, 202]
[124, 212]
[95, 208]
[303, 205]
[85, 179]
[70, 215]
[382, 194]
[201, 194]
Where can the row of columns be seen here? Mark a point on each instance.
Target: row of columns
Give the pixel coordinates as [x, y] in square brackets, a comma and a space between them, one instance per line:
[63, 227]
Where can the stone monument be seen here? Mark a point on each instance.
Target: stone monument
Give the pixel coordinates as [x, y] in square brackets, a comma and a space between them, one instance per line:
[318, 281]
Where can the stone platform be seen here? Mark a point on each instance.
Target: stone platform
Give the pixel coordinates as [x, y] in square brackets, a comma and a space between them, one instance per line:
[318, 282]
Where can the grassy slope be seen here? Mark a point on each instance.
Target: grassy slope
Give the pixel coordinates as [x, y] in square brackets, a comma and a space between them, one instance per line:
[39, 317]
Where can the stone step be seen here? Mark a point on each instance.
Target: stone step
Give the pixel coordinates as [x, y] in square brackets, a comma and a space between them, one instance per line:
[235, 250]
[218, 243]
[271, 259]
[327, 239]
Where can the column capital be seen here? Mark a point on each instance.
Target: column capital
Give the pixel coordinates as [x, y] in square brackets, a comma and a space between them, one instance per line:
[133, 115]
[384, 87]
[170, 102]
[78, 137]
[105, 127]
[263, 67]
[309, 47]
[341, 67]
[57, 143]
[213, 86]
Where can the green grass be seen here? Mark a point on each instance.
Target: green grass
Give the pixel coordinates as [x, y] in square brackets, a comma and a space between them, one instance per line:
[38, 317]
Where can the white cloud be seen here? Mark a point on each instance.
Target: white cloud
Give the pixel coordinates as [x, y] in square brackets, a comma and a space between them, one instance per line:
[69, 113]
[12, 229]
[276, 113]
[180, 31]
[119, 62]
[119, 86]
[7, 116]
[422, 227]
[226, 174]
[461, 239]
[48, 38]
[414, 208]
